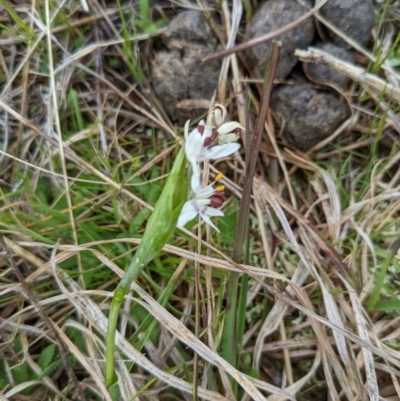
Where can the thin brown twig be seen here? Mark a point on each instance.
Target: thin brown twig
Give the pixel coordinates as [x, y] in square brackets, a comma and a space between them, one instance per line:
[231, 320]
[255, 146]
[264, 38]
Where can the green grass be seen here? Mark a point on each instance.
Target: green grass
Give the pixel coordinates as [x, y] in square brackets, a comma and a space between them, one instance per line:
[118, 154]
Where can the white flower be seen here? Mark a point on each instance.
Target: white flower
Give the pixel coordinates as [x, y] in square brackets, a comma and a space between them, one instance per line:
[200, 145]
[209, 141]
[201, 204]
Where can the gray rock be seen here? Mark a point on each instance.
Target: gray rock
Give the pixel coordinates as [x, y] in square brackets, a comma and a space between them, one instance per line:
[353, 17]
[275, 14]
[323, 74]
[310, 115]
[189, 27]
[179, 74]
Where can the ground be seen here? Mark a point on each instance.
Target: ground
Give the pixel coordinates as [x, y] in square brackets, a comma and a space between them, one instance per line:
[309, 312]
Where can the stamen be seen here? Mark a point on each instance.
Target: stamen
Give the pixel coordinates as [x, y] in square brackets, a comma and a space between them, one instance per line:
[219, 177]
[220, 188]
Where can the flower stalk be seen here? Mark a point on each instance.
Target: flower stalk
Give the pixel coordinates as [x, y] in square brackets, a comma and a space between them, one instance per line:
[159, 229]
[211, 140]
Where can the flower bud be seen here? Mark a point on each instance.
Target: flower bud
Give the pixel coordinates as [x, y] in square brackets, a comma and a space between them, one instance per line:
[217, 116]
[216, 201]
[228, 138]
[229, 132]
[231, 127]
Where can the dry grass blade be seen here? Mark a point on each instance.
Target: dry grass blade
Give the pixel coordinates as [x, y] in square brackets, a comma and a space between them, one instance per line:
[295, 387]
[355, 73]
[96, 317]
[85, 150]
[232, 28]
[73, 58]
[372, 382]
[59, 338]
[330, 305]
[181, 332]
[277, 313]
[232, 334]
[252, 271]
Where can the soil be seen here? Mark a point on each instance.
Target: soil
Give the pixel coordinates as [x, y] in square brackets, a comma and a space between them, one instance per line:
[310, 114]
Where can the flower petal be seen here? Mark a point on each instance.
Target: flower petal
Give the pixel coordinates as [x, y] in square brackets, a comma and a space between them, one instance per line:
[195, 182]
[205, 192]
[208, 221]
[201, 204]
[213, 212]
[194, 146]
[186, 129]
[219, 151]
[208, 132]
[217, 116]
[189, 212]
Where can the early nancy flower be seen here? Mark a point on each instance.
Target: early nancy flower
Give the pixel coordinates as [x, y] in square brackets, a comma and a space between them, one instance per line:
[203, 203]
[208, 141]
[200, 145]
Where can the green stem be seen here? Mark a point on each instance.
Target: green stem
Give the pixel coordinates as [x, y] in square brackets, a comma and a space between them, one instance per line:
[122, 289]
[159, 229]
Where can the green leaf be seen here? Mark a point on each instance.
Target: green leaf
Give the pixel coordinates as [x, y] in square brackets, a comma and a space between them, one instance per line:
[254, 373]
[380, 276]
[159, 229]
[394, 62]
[163, 220]
[228, 223]
[72, 100]
[46, 356]
[49, 369]
[388, 305]
[138, 221]
[44, 190]
[144, 9]
[14, 16]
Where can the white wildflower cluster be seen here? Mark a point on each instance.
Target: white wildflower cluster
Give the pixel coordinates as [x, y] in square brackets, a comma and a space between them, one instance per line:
[210, 140]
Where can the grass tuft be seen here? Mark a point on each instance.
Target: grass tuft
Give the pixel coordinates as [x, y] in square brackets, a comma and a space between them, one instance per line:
[85, 151]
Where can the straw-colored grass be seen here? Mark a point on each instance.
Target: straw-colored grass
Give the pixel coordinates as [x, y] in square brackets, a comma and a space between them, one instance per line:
[85, 148]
